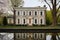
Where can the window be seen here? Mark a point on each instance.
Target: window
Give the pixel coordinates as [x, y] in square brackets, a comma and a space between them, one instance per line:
[24, 35]
[18, 35]
[18, 12]
[30, 13]
[41, 13]
[18, 21]
[35, 35]
[35, 13]
[35, 21]
[41, 35]
[24, 21]
[24, 13]
[41, 21]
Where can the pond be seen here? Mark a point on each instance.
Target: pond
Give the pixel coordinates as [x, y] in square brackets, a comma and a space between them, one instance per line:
[48, 37]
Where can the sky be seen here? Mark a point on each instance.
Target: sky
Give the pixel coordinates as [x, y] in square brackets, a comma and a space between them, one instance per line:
[34, 3]
[27, 3]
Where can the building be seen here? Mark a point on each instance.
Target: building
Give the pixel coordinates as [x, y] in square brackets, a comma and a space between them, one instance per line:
[28, 16]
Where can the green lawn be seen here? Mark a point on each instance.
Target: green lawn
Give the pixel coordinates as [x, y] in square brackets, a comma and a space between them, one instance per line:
[29, 27]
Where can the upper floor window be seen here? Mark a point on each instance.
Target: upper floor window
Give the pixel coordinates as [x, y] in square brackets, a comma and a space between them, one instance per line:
[35, 21]
[41, 13]
[18, 12]
[30, 13]
[35, 13]
[23, 13]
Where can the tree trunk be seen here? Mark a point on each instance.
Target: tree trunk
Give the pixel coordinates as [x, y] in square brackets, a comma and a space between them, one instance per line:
[54, 23]
[53, 36]
[54, 16]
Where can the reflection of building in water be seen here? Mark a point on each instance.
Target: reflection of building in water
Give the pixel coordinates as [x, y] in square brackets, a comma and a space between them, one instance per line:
[6, 36]
[30, 36]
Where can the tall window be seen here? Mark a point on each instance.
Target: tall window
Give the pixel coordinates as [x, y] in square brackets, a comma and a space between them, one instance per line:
[35, 13]
[41, 21]
[24, 21]
[18, 35]
[18, 12]
[23, 35]
[41, 35]
[35, 21]
[41, 13]
[24, 13]
[30, 13]
[18, 21]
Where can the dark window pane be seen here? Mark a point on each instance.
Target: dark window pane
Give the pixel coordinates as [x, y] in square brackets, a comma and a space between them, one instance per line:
[24, 21]
[35, 20]
[35, 13]
[35, 35]
[24, 13]
[18, 21]
[18, 12]
[41, 21]
[29, 13]
[18, 35]
[41, 12]
[41, 35]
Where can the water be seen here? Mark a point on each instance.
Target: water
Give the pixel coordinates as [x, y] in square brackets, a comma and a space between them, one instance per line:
[48, 37]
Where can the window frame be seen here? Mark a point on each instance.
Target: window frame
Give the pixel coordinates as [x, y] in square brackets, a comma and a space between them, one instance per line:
[35, 13]
[41, 13]
[18, 12]
[35, 21]
[30, 13]
[18, 21]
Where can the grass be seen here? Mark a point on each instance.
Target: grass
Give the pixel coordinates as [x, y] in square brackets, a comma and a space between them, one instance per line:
[29, 27]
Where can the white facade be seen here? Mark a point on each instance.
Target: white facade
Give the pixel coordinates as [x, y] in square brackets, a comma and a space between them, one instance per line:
[30, 15]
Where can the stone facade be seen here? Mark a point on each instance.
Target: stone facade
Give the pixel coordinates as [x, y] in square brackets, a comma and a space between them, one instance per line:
[30, 16]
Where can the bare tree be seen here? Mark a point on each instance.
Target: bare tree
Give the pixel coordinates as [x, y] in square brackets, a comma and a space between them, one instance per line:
[54, 7]
[16, 3]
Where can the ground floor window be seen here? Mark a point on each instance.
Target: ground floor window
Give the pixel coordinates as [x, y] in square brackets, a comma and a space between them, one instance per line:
[24, 21]
[41, 21]
[18, 21]
[35, 21]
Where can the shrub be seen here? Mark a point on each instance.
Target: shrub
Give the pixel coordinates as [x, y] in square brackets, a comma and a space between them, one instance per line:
[5, 21]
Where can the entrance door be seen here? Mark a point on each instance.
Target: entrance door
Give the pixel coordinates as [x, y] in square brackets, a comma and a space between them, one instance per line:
[30, 21]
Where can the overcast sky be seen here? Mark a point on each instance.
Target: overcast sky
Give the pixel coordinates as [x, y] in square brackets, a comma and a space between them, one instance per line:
[34, 3]
[27, 3]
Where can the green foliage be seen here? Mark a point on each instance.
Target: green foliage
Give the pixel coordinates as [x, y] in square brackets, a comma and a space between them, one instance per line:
[5, 21]
[1, 19]
[48, 17]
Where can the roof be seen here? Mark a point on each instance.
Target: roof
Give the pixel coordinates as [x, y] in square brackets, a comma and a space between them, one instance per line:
[30, 7]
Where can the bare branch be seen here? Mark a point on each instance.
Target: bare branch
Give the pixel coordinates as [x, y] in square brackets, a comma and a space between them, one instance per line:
[1, 3]
[58, 9]
[52, 2]
[48, 4]
[57, 3]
